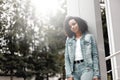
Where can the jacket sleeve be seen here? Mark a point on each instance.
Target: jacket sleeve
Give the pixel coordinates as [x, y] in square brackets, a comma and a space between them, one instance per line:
[67, 62]
[95, 58]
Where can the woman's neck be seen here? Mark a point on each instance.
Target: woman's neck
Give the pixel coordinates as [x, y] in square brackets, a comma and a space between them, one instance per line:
[78, 35]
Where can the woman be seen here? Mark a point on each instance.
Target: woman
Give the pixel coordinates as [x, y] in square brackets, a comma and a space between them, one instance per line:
[81, 54]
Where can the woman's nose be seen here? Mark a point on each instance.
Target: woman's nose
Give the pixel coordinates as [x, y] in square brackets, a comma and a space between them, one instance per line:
[72, 27]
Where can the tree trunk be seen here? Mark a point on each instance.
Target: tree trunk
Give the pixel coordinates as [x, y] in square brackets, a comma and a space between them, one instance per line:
[47, 76]
[24, 78]
[63, 72]
[11, 74]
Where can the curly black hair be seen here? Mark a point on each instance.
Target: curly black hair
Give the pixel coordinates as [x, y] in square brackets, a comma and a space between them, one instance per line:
[81, 23]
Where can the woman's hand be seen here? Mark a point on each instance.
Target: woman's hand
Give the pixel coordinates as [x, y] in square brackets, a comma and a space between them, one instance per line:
[70, 78]
[96, 79]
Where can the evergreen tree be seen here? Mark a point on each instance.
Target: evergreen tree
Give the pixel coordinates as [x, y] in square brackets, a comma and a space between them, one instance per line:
[28, 45]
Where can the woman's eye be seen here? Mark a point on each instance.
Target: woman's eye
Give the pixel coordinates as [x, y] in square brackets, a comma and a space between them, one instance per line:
[73, 24]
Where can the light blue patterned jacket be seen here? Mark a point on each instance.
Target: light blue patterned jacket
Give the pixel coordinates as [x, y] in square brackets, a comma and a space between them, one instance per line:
[89, 52]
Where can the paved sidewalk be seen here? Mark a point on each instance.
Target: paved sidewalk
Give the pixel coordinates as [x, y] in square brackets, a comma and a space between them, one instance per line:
[8, 78]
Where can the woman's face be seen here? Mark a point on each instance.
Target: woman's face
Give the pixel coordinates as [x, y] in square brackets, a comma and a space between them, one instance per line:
[74, 26]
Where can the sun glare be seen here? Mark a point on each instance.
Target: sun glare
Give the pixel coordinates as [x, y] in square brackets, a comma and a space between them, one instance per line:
[45, 7]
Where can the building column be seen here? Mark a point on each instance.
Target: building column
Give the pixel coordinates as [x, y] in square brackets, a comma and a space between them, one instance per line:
[113, 25]
[89, 10]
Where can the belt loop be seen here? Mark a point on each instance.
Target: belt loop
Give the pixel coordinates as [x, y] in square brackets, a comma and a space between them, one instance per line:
[78, 61]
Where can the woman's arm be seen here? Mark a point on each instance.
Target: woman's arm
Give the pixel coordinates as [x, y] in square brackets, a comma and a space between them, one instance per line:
[95, 58]
[67, 62]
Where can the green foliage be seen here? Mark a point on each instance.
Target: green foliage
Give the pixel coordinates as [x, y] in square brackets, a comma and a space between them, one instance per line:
[28, 46]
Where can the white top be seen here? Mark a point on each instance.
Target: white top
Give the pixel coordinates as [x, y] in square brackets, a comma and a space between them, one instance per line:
[78, 52]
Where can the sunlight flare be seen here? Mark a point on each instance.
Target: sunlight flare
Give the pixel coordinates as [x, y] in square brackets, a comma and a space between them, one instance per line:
[45, 7]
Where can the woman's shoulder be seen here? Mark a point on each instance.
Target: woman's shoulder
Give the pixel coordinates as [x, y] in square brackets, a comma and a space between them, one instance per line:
[88, 36]
[68, 39]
